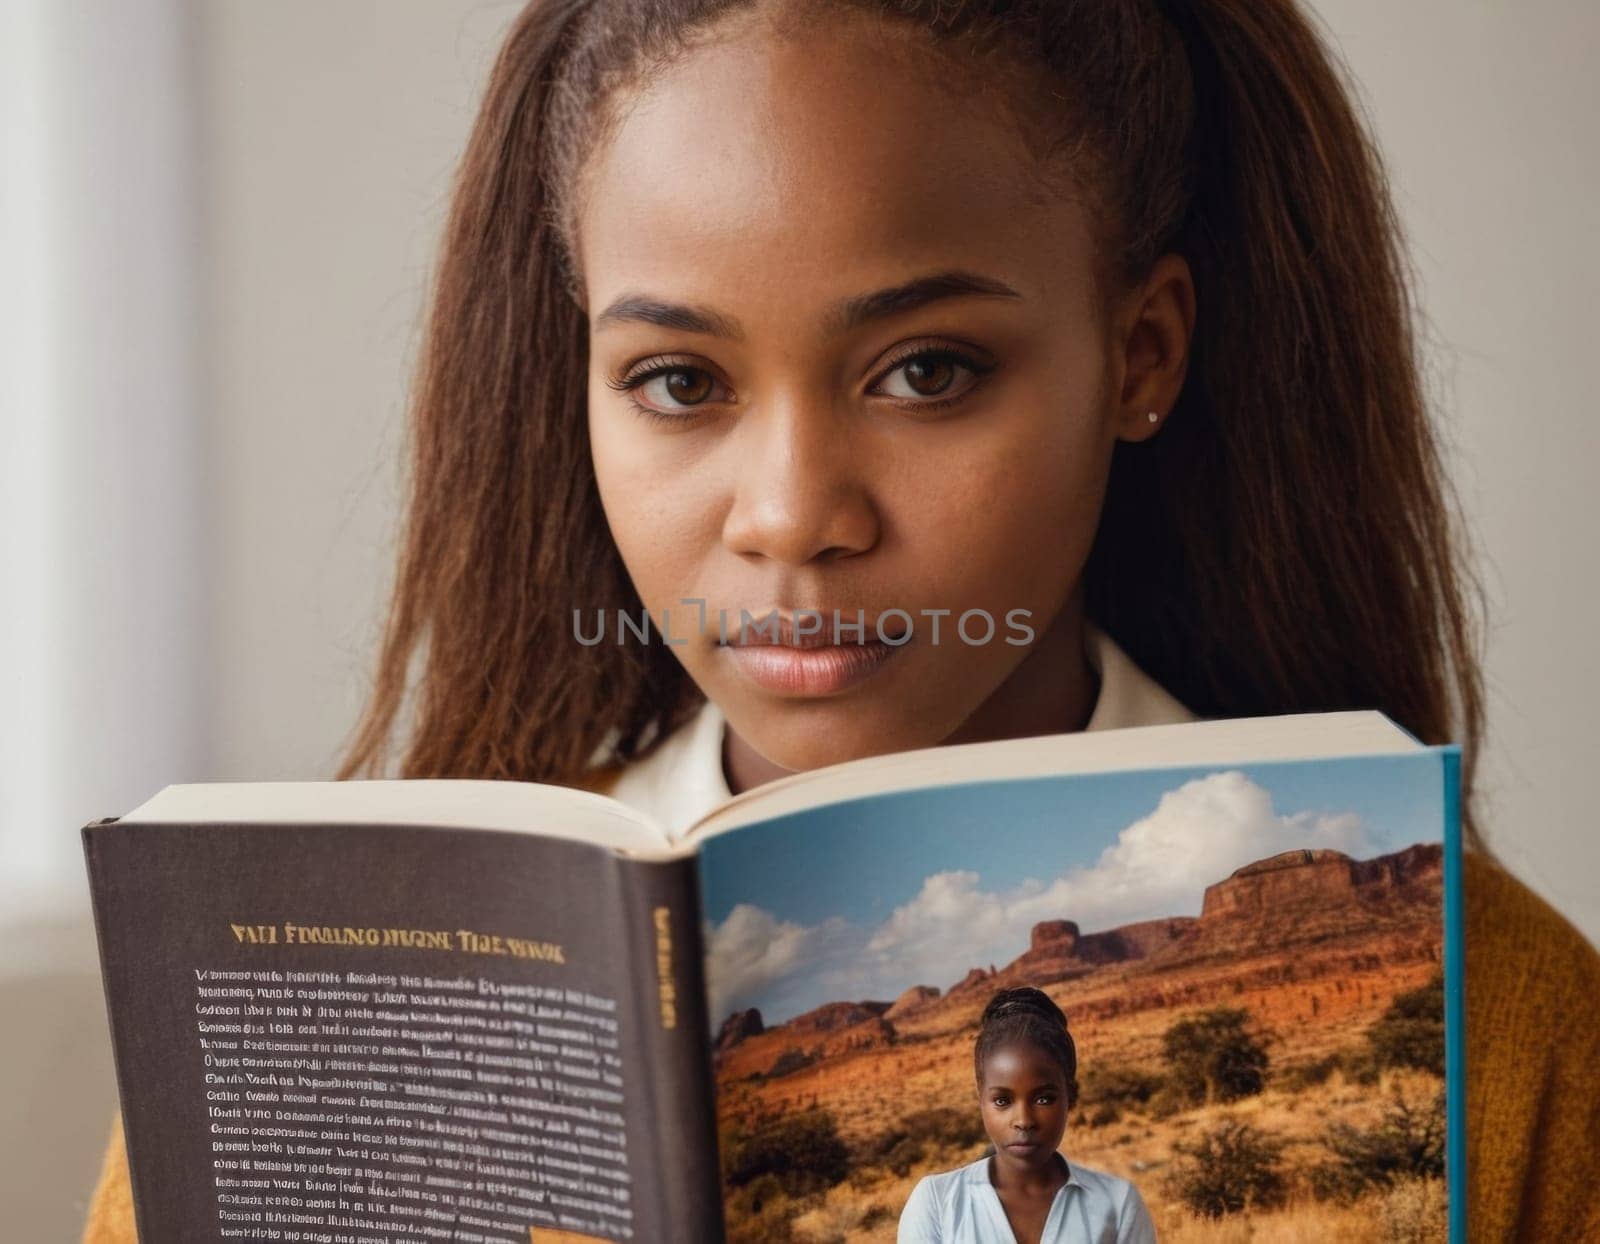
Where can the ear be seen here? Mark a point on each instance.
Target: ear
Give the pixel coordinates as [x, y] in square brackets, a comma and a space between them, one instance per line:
[1150, 349]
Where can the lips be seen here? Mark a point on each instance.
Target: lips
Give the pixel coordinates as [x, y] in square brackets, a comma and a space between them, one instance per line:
[806, 653]
[817, 671]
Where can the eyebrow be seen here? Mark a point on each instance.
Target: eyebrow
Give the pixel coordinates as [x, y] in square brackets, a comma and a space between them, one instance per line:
[843, 316]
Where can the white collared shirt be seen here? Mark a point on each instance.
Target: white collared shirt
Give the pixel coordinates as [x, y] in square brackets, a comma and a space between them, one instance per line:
[962, 1207]
[682, 779]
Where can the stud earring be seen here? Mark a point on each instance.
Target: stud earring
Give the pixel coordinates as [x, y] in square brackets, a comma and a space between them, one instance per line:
[1154, 418]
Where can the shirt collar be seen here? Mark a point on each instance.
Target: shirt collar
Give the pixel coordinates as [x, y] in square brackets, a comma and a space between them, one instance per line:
[1128, 696]
[682, 779]
[978, 1172]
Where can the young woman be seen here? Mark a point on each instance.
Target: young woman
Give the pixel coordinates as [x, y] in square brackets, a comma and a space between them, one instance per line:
[1093, 310]
[1027, 1071]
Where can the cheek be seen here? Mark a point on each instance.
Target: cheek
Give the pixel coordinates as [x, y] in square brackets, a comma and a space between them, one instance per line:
[658, 500]
[1009, 520]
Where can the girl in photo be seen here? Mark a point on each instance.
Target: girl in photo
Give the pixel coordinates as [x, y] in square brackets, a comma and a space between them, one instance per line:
[1090, 312]
[1025, 1191]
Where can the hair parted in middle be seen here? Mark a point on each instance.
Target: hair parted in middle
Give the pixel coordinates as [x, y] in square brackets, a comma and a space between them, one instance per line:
[1027, 1014]
[1288, 543]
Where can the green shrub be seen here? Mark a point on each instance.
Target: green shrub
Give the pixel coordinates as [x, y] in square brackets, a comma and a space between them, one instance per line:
[1215, 1056]
[760, 1213]
[902, 1156]
[1120, 1085]
[1104, 1116]
[802, 1152]
[920, 1134]
[904, 1144]
[1168, 1101]
[1301, 1076]
[788, 1062]
[1231, 1168]
[1410, 1033]
[1407, 1144]
[944, 1125]
[1360, 1066]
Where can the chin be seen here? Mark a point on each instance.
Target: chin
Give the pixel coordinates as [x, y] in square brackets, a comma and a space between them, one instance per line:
[1043, 1156]
[811, 751]
[810, 735]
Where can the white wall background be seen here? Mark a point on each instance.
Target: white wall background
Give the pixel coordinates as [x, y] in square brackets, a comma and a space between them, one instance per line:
[215, 224]
[102, 590]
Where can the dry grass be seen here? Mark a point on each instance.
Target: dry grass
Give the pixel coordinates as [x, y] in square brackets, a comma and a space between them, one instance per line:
[1410, 1213]
[865, 1208]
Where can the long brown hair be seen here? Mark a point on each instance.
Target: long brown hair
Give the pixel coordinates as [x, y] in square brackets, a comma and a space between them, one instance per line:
[1288, 543]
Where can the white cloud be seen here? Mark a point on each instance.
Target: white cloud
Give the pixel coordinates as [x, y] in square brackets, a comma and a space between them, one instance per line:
[1198, 834]
[1158, 866]
[752, 950]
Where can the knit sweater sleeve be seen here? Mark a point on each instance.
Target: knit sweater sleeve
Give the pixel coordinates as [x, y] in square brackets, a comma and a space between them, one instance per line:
[111, 1207]
[1532, 1065]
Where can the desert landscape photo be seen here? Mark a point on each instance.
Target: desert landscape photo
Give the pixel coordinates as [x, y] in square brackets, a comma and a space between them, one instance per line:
[1268, 1068]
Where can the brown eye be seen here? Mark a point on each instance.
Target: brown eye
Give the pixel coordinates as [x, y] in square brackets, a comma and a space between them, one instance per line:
[670, 390]
[687, 387]
[928, 375]
[932, 377]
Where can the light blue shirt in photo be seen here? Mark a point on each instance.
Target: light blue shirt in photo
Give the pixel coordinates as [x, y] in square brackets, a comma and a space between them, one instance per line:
[962, 1207]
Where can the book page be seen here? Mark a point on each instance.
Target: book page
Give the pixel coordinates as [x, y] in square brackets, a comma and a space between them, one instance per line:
[1295, 736]
[363, 1033]
[462, 803]
[1251, 963]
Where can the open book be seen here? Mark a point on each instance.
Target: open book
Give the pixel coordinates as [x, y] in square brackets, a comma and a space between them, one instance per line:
[366, 1011]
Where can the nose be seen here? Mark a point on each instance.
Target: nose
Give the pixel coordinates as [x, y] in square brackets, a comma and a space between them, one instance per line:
[804, 486]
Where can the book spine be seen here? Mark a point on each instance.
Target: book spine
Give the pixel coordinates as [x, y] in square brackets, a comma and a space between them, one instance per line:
[108, 949]
[662, 900]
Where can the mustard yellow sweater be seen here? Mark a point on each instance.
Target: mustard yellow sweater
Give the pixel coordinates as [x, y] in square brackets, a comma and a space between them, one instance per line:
[1533, 1077]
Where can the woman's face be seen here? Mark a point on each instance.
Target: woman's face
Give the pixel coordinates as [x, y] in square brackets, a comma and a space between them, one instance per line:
[1025, 1101]
[843, 360]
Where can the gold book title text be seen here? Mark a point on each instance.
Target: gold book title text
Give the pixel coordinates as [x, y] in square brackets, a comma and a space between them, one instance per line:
[463, 941]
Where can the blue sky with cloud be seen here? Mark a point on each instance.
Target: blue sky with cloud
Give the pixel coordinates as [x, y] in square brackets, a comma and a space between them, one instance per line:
[866, 899]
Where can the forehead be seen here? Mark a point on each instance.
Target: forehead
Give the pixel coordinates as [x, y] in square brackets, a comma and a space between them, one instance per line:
[1020, 1062]
[771, 171]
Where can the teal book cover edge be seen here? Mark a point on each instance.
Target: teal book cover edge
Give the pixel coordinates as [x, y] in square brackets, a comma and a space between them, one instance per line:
[1454, 999]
